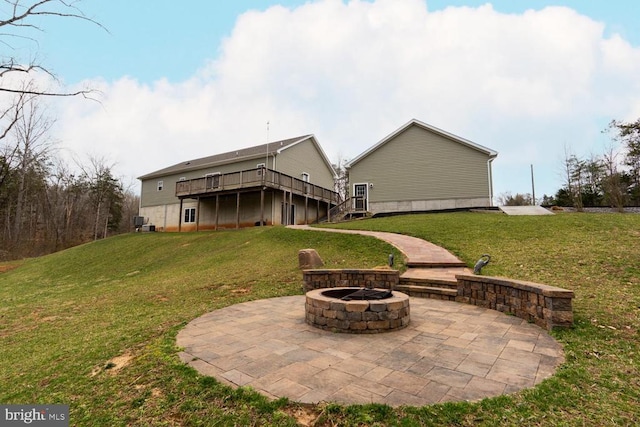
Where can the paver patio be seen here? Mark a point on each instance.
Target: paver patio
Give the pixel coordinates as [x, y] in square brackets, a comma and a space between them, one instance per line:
[449, 351]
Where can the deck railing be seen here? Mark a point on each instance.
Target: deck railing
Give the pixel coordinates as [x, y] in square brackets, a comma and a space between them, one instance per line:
[253, 178]
[353, 205]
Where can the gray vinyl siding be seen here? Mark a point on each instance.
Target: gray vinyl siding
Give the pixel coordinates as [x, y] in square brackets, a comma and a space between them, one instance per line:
[421, 165]
[304, 157]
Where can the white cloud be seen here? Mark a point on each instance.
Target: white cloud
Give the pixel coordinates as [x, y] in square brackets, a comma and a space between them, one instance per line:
[351, 73]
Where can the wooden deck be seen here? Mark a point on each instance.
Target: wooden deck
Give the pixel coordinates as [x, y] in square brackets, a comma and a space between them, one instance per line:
[252, 179]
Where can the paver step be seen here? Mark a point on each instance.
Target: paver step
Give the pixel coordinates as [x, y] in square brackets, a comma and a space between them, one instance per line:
[442, 283]
[427, 292]
[435, 264]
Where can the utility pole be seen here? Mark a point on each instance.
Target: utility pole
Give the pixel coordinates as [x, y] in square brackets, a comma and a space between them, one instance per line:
[533, 189]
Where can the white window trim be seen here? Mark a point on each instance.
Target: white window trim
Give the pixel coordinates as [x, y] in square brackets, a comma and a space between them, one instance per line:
[160, 185]
[187, 220]
[306, 177]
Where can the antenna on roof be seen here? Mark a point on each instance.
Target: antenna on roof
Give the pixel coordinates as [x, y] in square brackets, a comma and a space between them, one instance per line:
[266, 162]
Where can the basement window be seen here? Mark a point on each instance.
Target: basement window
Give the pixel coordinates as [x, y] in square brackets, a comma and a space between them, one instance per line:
[189, 215]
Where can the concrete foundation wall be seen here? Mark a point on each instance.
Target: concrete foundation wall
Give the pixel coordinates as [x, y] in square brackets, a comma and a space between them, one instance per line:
[168, 217]
[427, 205]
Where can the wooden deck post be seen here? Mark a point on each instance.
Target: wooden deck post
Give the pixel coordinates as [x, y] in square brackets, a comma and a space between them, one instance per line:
[262, 205]
[180, 217]
[238, 209]
[198, 215]
[285, 209]
[217, 209]
[306, 210]
[291, 211]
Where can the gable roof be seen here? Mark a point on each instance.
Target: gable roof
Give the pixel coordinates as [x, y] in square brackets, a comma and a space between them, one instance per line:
[491, 153]
[255, 152]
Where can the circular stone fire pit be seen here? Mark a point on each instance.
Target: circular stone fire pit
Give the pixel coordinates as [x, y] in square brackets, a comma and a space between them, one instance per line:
[343, 310]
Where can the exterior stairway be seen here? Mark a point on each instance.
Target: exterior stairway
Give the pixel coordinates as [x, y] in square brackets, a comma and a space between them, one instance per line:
[431, 270]
[435, 282]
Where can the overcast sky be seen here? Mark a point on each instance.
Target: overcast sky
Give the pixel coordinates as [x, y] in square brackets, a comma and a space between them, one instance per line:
[186, 79]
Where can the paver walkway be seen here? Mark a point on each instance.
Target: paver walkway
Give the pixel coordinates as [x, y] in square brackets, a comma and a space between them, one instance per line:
[449, 351]
[423, 259]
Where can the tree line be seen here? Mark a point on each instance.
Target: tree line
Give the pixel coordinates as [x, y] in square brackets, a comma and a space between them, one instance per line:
[47, 205]
[610, 179]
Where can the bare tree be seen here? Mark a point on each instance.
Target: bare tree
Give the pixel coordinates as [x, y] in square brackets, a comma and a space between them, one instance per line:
[506, 199]
[19, 20]
[32, 149]
[573, 168]
[341, 185]
[612, 183]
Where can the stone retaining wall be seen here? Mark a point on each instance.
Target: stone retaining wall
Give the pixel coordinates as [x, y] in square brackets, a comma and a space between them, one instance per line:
[546, 306]
[367, 278]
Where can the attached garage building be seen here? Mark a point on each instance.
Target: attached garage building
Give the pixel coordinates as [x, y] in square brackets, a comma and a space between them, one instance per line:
[421, 168]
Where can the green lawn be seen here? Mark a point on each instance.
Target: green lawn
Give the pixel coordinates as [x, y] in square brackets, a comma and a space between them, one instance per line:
[94, 326]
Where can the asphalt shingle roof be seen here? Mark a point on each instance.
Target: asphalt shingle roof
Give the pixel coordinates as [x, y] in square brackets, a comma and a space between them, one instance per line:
[224, 158]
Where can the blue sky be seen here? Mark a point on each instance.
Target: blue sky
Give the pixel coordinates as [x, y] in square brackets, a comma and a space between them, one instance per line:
[153, 39]
[180, 80]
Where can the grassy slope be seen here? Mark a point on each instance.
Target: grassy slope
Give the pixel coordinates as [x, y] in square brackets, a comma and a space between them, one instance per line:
[64, 317]
[594, 255]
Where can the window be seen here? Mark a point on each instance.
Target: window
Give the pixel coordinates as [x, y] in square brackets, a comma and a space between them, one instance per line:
[189, 215]
[260, 167]
[160, 185]
[305, 177]
[212, 180]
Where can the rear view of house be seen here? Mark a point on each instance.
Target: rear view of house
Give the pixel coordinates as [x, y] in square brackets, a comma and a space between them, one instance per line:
[420, 168]
[283, 182]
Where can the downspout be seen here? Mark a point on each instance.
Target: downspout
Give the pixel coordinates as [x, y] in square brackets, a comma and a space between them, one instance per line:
[490, 175]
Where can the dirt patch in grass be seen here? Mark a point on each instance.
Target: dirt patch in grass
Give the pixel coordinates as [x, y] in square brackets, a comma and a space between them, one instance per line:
[5, 268]
[113, 366]
[118, 362]
[305, 415]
